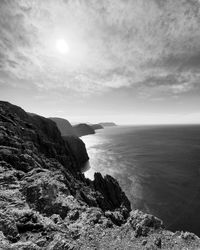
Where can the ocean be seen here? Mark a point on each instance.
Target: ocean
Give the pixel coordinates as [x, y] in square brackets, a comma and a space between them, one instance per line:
[158, 167]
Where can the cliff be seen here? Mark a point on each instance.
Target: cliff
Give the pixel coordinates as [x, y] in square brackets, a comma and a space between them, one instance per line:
[64, 126]
[66, 129]
[47, 203]
[78, 149]
[75, 144]
[83, 129]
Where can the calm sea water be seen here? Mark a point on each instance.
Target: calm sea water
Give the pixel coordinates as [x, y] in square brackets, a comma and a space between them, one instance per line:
[157, 166]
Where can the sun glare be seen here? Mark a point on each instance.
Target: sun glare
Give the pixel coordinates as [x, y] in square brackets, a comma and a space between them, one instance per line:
[62, 46]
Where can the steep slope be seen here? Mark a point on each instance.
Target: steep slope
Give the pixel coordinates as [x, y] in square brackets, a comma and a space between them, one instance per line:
[46, 203]
[78, 149]
[64, 126]
[83, 129]
[66, 129]
[75, 144]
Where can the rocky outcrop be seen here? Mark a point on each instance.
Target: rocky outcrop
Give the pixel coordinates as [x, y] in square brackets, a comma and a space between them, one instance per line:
[111, 190]
[83, 129]
[64, 126]
[96, 126]
[47, 203]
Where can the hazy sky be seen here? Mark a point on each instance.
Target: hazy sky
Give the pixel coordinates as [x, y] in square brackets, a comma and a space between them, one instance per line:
[128, 61]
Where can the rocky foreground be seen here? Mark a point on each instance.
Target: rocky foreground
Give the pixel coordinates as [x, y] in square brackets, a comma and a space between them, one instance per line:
[47, 203]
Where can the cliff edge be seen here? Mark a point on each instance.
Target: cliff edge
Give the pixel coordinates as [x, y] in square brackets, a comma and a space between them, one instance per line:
[47, 203]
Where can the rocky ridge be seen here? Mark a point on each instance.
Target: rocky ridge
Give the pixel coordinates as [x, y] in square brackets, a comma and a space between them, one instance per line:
[47, 203]
[83, 129]
[67, 129]
[64, 126]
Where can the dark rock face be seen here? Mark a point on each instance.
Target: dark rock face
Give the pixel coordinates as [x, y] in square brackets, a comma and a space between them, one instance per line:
[64, 126]
[97, 126]
[83, 129]
[111, 190]
[47, 203]
[78, 149]
[74, 144]
[40, 173]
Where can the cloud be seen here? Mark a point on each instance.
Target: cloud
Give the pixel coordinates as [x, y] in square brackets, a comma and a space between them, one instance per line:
[150, 45]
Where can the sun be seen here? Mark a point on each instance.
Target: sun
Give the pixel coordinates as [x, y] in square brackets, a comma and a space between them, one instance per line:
[62, 46]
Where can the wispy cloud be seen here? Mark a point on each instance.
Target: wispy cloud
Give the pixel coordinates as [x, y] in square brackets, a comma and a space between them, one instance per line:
[151, 45]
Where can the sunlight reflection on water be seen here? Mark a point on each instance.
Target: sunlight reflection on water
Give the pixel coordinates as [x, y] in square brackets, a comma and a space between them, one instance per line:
[157, 168]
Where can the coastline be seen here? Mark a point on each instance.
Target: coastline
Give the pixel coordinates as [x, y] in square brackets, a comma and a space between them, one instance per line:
[47, 203]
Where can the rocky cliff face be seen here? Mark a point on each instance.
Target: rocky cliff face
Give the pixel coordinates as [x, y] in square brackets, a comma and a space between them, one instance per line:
[64, 126]
[78, 149]
[46, 203]
[66, 129]
[75, 145]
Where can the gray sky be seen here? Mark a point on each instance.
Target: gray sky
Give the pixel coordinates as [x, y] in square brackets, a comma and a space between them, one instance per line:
[128, 61]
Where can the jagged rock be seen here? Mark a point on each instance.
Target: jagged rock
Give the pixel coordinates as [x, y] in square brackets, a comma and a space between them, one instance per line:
[29, 222]
[28, 245]
[142, 223]
[46, 193]
[187, 236]
[8, 227]
[111, 191]
[158, 242]
[116, 217]
[61, 243]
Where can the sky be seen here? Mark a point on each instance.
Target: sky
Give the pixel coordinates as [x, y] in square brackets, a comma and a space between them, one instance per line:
[127, 61]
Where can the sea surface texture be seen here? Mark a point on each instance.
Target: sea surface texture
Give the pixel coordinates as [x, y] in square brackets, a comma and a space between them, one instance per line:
[157, 166]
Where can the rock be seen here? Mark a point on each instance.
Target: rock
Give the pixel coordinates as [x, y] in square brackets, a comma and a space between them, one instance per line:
[142, 223]
[116, 217]
[8, 227]
[78, 149]
[144, 242]
[60, 243]
[74, 215]
[28, 245]
[158, 242]
[187, 236]
[29, 222]
[45, 193]
[112, 193]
